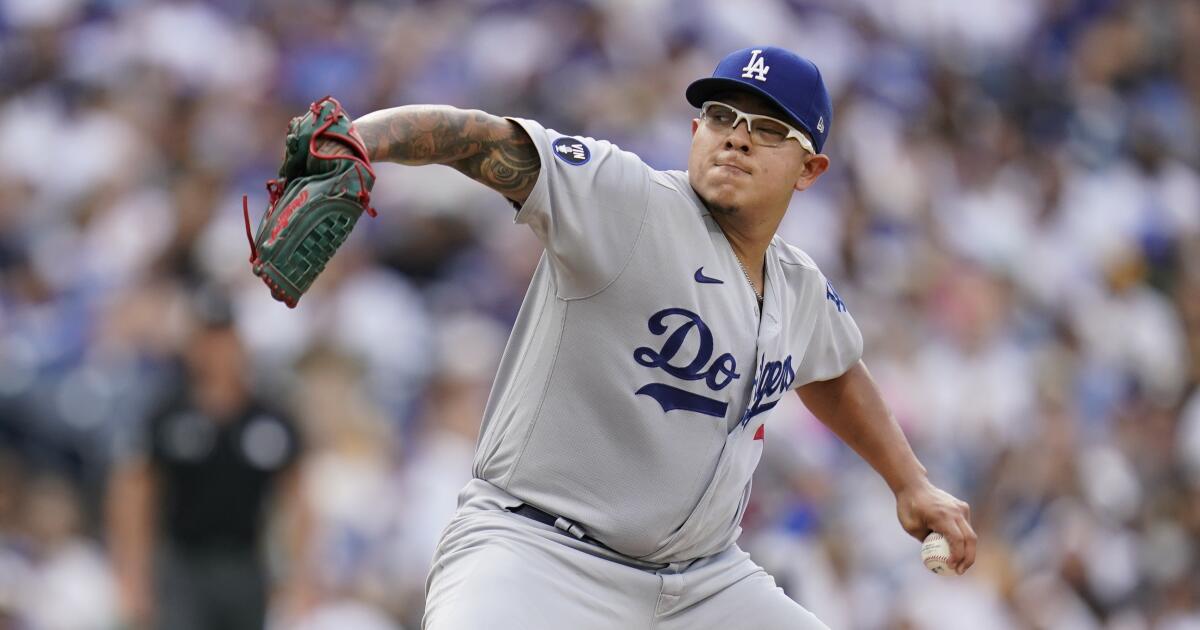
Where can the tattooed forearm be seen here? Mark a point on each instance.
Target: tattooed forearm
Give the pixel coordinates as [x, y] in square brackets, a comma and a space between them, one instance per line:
[419, 134]
[486, 148]
[508, 164]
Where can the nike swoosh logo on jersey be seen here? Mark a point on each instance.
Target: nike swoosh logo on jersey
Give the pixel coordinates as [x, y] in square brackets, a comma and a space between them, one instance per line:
[703, 279]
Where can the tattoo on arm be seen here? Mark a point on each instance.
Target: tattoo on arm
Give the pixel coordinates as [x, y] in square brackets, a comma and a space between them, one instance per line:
[489, 149]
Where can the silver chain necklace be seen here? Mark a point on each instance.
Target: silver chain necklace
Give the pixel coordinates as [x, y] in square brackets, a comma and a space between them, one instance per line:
[750, 282]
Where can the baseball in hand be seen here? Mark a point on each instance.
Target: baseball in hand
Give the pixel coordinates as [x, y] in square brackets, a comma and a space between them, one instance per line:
[935, 553]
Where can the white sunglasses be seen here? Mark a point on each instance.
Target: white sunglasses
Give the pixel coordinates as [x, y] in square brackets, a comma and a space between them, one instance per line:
[764, 130]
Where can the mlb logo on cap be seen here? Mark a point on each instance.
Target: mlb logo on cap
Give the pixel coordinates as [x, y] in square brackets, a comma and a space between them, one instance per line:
[788, 80]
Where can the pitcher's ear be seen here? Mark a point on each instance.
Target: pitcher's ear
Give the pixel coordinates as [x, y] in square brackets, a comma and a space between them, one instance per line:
[813, 168]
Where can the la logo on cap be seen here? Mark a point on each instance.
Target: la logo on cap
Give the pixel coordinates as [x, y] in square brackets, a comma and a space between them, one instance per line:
[757, 68]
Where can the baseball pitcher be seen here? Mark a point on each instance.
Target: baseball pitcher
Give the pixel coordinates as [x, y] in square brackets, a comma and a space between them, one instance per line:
[664, 322]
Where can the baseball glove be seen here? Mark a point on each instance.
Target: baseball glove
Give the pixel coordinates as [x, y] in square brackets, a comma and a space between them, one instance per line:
[314, 203]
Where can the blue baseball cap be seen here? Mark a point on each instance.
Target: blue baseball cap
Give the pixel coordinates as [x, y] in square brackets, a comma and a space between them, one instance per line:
[788, 80]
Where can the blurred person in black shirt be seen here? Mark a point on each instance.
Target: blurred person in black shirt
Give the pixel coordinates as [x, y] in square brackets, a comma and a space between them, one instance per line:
[190, 503]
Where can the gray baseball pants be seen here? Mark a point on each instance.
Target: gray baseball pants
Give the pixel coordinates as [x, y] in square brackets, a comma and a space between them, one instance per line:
[497, 569]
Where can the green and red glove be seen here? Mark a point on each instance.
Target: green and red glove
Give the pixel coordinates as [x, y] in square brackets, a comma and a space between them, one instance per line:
[314, 203]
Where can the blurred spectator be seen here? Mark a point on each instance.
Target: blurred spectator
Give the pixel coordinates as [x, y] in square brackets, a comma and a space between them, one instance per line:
[190, 502]
[69, 584]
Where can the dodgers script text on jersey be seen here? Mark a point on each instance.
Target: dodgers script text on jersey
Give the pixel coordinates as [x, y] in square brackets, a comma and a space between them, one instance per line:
[635, 390]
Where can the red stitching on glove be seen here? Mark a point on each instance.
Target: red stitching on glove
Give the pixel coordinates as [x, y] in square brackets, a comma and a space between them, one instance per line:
[352, 141]
[285, 217]
[275, 188]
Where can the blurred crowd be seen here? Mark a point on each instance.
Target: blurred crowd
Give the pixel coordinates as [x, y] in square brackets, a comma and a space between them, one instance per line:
[1012, 216]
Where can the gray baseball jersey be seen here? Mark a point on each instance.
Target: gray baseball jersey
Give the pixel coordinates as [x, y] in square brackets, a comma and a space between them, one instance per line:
[632, 396]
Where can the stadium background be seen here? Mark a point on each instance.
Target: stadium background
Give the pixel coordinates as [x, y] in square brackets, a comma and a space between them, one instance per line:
[1012, 216]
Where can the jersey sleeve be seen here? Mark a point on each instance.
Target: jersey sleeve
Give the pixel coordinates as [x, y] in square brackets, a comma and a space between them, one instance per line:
[836, 343]
[587, 208]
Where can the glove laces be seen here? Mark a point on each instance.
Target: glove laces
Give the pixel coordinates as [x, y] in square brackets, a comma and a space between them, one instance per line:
[275, 187]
